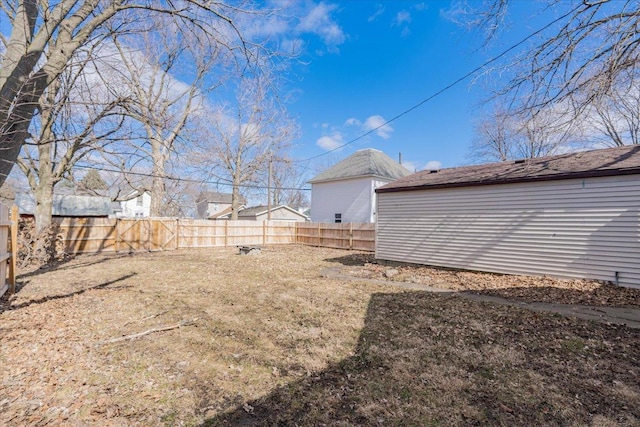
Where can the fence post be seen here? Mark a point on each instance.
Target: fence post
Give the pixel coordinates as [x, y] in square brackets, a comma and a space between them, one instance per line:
[350, 236]
[116, 225]
[177, 233]
[149, 235]
[14, 249]
[226, 232]
[319, 233]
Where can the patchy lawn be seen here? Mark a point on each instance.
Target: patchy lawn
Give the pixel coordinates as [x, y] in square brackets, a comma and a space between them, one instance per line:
[211, 338]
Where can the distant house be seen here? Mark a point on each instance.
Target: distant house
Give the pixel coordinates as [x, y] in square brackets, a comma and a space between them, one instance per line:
[261, 213]
[572, 215]
[136, 204]
[67, 206]
[213, 205]
[346, 192]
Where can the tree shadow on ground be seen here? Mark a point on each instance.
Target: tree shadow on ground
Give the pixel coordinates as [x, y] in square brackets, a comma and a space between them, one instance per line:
[6, 305]
[65, 264]
[426, 359]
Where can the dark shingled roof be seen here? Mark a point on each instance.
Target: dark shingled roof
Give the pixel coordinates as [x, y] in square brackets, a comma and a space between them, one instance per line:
[606, 162]
[368, 162]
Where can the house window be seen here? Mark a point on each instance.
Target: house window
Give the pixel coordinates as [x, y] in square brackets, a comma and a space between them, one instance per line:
[338, 218]
[139, 201]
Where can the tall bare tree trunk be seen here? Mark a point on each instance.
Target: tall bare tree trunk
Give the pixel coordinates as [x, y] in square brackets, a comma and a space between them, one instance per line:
[235, 200]
[44, 204]
[158, 190]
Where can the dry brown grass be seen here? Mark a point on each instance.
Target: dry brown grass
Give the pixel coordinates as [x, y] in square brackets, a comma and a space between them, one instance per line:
[274, 343]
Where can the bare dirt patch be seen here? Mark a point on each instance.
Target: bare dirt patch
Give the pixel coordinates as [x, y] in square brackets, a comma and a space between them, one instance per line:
[265, 340]
[522, 288]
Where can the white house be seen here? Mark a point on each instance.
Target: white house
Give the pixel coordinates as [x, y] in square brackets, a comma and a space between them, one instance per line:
[573, 215]
[213, 205]
[136, 204]
[346, 191]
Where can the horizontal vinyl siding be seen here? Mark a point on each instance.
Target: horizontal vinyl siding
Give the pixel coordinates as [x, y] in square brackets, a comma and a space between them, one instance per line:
[350, 197]
[585, 228]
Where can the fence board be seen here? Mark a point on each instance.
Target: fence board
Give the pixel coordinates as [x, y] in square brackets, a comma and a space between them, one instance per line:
[7, 256]
[83, 235]
[340, 236]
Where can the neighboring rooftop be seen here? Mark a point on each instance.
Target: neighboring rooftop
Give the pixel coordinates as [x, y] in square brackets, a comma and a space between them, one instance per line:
[132, 195]
[259, 210]
[367, 162]
[215, 197]
[67, 205]
[605, 162]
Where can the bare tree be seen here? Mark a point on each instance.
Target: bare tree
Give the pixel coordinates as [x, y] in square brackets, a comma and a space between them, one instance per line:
[494, 138]
[75, 120]
[288, 185]
[45, 36]
[162, 104]
[543, 134]
[245, 137]
[504, 135]
[614, 119]
[578, 59]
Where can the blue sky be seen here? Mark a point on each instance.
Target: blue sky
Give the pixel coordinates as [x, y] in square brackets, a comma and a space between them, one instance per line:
[376, 60]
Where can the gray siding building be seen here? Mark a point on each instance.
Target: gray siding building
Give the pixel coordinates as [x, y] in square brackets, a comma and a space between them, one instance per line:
[574, 215]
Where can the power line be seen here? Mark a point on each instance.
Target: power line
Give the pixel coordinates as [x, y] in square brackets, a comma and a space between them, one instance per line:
[446, 88]
[220, 180]
[369, 132]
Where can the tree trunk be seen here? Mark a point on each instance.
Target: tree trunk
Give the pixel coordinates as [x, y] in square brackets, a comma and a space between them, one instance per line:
[235, 198]
[10, 144]
[44, 204]
[158, 189]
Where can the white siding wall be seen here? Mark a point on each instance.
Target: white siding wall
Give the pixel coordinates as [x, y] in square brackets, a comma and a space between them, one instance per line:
[351, 197]
[131, 208]
[587, 228]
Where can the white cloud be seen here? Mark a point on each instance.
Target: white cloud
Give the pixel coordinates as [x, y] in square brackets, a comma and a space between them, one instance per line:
[320, 22]
[378, 123]
[290, 23]
[330, 142]
[379, 11]
[403, 17]
[352, 122]
[433, 165]
[412, 166]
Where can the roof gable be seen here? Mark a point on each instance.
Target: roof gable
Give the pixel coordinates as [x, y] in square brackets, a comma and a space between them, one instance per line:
[215, 197]
[604, 162]
[261, 210]
[368, 162]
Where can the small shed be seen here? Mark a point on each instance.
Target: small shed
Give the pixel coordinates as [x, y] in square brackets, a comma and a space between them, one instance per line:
[68, 206]
[573, 215]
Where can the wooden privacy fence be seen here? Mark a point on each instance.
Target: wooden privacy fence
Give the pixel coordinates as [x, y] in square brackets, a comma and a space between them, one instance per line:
[340, 236]
[8, 248]
[91, 235]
